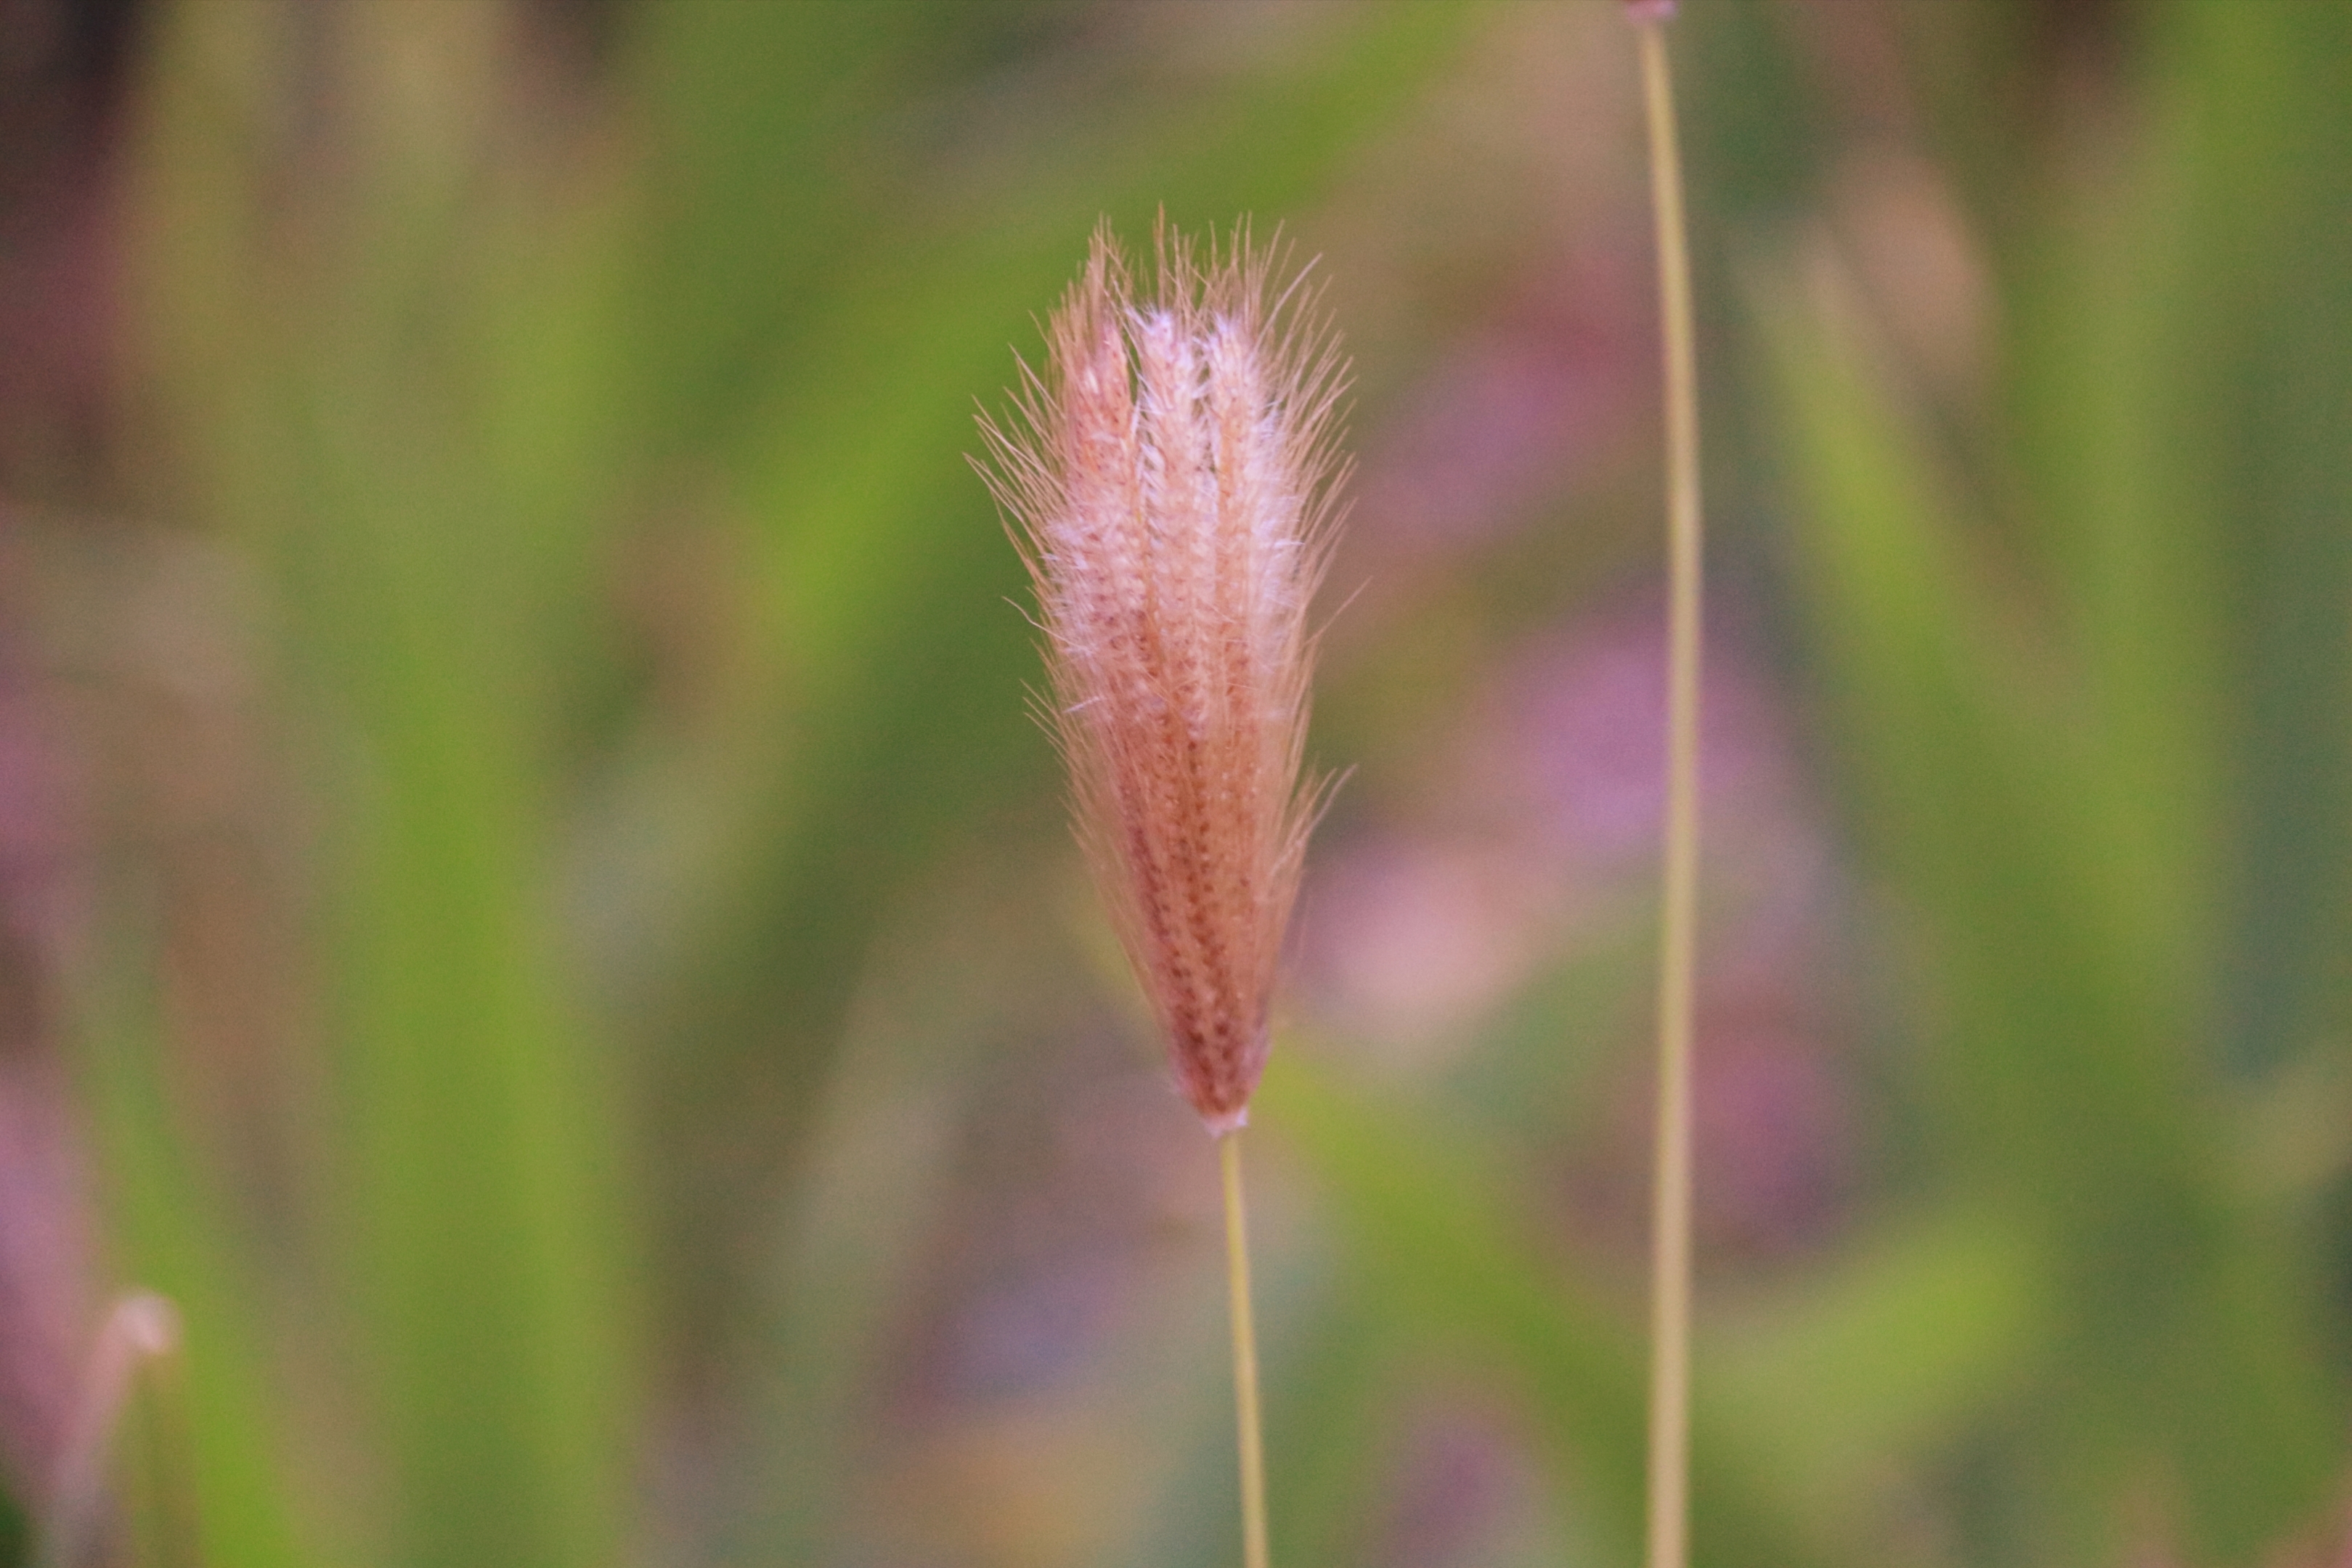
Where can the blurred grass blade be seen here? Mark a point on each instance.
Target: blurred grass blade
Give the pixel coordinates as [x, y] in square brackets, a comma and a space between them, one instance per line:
[1428, 1241]
[475, 1167]
[1917, 1332]
[2065, 1038]
[173, 1233]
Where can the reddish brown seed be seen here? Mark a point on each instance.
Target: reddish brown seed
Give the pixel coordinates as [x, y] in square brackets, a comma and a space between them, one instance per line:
[1171, 475]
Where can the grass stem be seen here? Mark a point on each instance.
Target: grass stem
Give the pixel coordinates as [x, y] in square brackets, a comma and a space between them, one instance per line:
[1238, 1277]
[1670, 1283]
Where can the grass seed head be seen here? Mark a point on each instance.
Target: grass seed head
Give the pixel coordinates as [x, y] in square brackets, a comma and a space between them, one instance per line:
[1170, 474]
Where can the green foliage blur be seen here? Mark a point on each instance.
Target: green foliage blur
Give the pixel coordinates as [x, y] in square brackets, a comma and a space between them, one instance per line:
[589, 1005]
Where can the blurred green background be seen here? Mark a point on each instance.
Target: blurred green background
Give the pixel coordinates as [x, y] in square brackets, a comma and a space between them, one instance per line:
[530, 906]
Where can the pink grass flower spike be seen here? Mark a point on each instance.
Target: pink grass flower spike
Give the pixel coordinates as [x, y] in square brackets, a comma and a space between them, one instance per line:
[1171, 474]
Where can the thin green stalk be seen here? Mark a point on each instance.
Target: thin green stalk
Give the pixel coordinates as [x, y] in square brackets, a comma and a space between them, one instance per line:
[1237, 1278]
[1669, 1458]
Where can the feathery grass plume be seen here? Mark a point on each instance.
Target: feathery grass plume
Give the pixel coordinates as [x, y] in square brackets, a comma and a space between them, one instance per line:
[1171, 473]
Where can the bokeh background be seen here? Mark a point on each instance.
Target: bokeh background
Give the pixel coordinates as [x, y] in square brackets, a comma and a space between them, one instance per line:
[531, 904]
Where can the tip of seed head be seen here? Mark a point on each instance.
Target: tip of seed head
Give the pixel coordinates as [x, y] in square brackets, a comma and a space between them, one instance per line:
[1643, 13]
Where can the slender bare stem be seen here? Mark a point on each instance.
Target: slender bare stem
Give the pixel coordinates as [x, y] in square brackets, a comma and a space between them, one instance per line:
[1238, 1277]
[1670, 1284]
